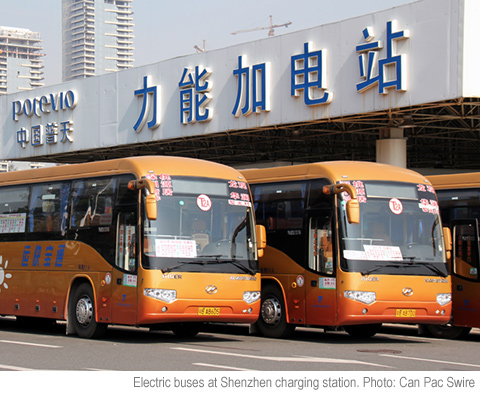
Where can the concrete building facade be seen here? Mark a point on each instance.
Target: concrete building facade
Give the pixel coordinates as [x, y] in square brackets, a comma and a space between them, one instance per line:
[21, 63]
[97, 37]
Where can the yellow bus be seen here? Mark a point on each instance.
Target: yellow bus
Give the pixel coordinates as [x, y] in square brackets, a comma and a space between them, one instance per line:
[459, 200]
[350, 245]
[139, 241]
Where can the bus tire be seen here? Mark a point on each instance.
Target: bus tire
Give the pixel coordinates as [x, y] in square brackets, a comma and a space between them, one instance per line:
[82, 313]
[272, 321]
[362, 331]
[186, 329]
[447, 331]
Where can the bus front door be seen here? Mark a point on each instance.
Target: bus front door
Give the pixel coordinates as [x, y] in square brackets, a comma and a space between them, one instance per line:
[321, 303]
[124, 281]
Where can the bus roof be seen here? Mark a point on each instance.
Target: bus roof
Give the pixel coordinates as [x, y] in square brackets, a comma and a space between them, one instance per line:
[455, 180]
[335, 171]
[140, 166]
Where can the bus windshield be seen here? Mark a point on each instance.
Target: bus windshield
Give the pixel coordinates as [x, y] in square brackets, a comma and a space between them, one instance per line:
[203, 225]
[399, 231]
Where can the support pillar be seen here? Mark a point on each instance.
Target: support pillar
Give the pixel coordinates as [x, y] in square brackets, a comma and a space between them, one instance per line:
[392, 147]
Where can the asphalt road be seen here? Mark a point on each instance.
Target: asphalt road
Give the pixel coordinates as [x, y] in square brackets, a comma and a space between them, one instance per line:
[232, 348]
[225, 362]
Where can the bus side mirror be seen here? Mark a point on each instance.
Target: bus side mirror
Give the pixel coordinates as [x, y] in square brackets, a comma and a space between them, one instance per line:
[151, 207]
[150, 199]
[261, 239]
[353, 211]
[447, 236]
[352, 207]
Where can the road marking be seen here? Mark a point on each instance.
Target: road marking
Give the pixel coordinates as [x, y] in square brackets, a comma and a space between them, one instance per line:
[15, 368]
[432, 360]
[40, 345]
[297, 359]
[222, 367]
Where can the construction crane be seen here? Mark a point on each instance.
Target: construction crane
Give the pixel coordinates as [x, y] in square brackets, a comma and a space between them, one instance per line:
[271, 31]
[200, 50]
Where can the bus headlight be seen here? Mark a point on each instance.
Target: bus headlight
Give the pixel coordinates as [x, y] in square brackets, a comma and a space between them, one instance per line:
[444, 298]
[251, 297]
[363, 297]
[166, 295]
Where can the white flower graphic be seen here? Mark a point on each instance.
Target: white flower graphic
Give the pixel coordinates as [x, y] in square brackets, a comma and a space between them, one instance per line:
[3, 275]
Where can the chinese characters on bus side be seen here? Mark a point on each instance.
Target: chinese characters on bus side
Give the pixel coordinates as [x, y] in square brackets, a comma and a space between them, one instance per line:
[43, 256]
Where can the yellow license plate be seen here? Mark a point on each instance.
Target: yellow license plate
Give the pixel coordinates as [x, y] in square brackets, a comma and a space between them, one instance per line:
[209, 311]
[405, 313]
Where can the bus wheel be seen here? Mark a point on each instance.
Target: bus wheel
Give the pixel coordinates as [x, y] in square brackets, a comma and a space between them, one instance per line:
[447, 331]
[363, 330]
[186, 329]
[82, 312]
[272, 322]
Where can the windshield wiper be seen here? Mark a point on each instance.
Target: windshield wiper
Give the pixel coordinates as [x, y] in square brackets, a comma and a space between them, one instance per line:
[406, 264]
[217, 260]
[168, 269]
[244, 268]
[377, 267]
[433, 268]
[399, 264]
[428, 265]
[199, 262]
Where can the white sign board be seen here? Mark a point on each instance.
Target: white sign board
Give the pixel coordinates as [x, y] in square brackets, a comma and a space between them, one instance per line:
[405, 56]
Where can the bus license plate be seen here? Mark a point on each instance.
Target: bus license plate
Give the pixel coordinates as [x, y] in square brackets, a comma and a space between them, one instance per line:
[209, 311]
[405, 313]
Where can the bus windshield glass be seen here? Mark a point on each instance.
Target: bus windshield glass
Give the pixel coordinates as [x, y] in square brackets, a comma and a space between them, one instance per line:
[202, 225]
[399, 231]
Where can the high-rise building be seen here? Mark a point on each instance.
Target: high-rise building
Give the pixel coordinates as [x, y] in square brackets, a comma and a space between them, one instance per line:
[97, 37]
[21, 64]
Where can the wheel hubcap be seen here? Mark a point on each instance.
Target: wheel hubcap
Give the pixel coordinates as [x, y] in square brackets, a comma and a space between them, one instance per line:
[271, 311]
[84, 311]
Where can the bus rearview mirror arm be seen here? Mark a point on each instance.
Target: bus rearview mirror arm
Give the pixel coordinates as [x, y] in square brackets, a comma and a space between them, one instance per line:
[150, 199]
[352, 207]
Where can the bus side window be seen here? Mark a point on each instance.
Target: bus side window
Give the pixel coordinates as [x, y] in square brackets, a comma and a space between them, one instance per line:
[320, 245]
[48, 209]
[13, 213]
[91, 202]
[466, 252]
[93, 209]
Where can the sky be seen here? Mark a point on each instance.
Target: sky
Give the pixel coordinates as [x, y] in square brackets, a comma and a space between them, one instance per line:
[166, 29]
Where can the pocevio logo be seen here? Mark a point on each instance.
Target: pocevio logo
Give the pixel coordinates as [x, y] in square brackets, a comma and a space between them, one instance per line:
[44, 104]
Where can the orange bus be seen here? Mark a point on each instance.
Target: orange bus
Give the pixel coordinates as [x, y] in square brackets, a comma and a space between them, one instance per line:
[139, 241]
[350, 245]
[459, 200]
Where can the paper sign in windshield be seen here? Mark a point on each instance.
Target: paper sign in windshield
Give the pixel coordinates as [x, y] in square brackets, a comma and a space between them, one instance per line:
[383, 253]
[175, 248]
